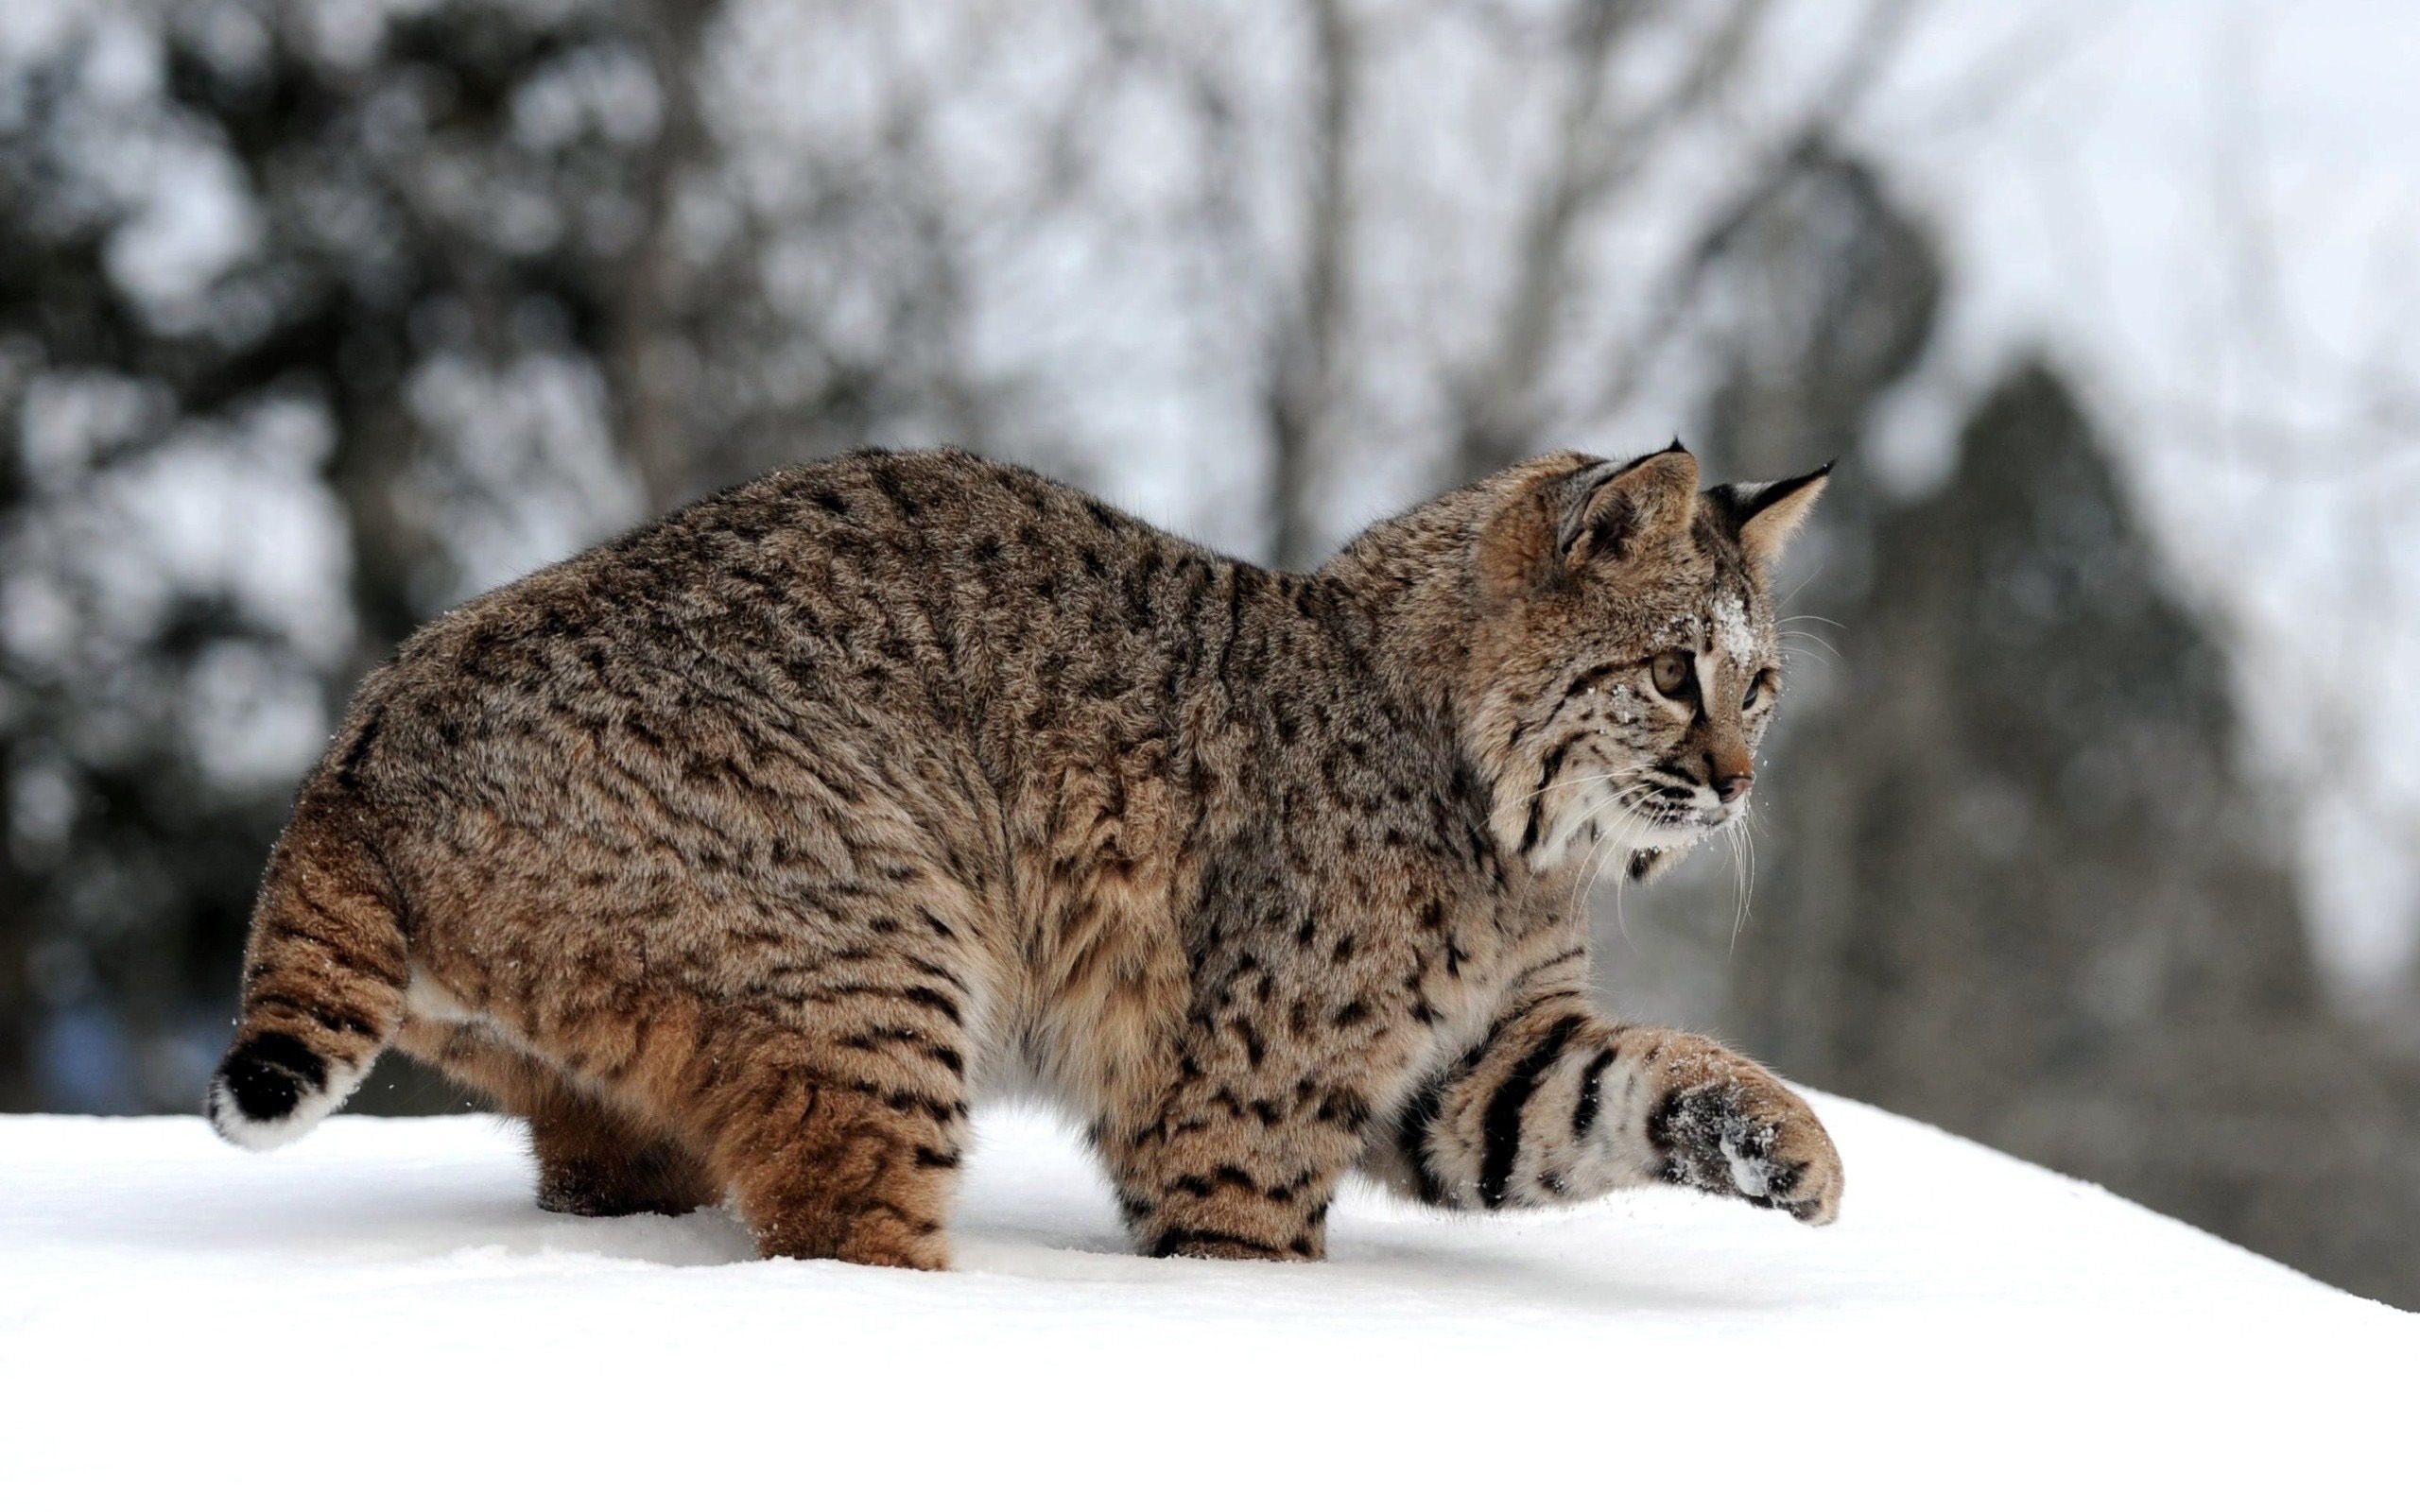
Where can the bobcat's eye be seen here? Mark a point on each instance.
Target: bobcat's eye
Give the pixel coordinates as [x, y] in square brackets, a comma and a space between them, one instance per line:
[1670, 670]
[1760, 688]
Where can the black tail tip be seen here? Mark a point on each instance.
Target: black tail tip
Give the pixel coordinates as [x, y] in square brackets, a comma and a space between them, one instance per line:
[267, 1076]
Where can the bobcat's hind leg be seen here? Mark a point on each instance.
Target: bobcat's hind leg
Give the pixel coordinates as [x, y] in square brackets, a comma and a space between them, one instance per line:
[807, 1049]
[835, 1118]
[839, 1141]
[593, 1161]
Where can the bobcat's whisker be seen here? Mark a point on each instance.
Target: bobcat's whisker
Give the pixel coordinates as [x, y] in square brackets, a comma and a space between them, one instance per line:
[1556, 786]
[1738, 889]
[1629, 828]
[1809, 637]
[1624, 826]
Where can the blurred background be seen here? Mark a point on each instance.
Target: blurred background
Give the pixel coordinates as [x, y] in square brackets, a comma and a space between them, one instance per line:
[2090, 831]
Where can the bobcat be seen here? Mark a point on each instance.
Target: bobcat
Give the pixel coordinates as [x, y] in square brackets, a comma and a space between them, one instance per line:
[740, 854]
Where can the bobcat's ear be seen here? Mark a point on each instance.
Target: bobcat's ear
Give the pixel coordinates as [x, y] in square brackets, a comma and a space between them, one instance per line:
[1613, 507]
[1765, 515]
[1558, 524]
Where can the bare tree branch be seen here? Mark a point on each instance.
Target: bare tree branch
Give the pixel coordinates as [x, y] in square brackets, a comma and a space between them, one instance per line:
[1597, 159]
[1871, 50]
[646, 298]
[1303, 375]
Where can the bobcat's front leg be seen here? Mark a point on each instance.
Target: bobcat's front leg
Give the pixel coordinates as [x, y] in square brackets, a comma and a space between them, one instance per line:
[1561, 1105]
[1228, 1171]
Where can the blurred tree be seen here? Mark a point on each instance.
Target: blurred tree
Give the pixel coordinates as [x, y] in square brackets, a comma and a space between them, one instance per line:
[18, 1088]
[481, 280]
[230, 229]
[477, 279]
[2020, 885]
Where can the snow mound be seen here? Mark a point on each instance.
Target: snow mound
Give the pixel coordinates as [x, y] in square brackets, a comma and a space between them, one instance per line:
[380, 1314]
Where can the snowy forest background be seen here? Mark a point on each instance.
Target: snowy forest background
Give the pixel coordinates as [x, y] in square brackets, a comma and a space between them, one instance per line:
[2089, 834]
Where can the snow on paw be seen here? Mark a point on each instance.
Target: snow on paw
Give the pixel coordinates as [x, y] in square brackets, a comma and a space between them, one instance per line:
[1744, 1134]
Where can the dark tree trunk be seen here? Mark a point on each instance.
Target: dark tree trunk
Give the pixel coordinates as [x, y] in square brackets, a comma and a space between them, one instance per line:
[18, 1028]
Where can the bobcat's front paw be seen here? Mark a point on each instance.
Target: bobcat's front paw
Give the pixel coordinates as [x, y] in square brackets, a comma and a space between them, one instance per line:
[1742, 1132]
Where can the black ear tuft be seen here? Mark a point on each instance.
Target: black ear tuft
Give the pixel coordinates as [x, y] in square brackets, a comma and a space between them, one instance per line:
[1763, 516]
[1758, 497]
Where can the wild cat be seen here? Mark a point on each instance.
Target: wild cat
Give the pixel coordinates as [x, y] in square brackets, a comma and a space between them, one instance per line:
[740, 855]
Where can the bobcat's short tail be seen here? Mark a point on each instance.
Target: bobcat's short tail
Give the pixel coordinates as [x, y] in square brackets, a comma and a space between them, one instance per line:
[324, 975]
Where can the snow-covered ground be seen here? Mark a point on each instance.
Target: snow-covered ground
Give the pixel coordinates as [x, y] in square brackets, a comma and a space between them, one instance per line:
[380, 1315]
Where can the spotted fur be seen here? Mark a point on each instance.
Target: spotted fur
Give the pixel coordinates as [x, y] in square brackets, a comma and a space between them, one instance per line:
[740, 855]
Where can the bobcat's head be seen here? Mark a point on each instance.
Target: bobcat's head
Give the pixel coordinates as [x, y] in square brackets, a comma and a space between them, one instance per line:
[1624, 662]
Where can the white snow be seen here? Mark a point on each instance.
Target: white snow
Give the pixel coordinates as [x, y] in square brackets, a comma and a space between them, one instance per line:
[379, 1314]
[1735, 635]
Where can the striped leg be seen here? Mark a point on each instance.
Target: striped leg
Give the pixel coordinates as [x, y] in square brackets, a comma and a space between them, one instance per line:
[1556, 1105]
[837, 1140]
[819, 1077]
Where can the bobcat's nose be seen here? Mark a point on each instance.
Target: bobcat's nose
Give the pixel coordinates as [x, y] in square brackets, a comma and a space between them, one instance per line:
[1733, 786]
